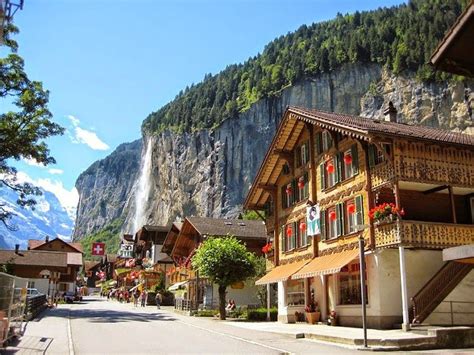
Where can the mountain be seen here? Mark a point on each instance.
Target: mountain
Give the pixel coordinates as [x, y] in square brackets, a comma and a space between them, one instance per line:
[206, 146]
[49, 218]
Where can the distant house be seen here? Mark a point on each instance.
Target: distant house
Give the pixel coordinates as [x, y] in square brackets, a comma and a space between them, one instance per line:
[91, 268]
[197, 291]
[67, 281]
[42, 268]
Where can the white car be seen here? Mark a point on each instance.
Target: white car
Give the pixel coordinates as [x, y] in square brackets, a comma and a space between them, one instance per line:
[33, 292]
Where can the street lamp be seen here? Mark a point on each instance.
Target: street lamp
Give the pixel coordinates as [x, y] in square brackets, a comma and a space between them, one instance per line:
[360, 228]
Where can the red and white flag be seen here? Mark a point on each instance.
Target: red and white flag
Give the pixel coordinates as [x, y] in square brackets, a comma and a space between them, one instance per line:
[98, 248]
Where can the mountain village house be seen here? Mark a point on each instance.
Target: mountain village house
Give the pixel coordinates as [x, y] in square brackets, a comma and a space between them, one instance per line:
[329, 179]
[193, 291]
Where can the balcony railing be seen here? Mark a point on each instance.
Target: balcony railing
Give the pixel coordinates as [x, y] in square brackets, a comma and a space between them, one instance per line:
[382, 174]
[429, 235]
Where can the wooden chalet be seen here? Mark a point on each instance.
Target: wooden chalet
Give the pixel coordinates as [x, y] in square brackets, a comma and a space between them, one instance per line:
[197, 291]
[322, 178]
[67, 281]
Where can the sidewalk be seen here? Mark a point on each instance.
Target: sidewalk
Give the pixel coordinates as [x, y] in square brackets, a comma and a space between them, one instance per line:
[395, 339]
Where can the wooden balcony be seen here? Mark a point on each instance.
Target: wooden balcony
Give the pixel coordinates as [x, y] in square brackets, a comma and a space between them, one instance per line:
[420, 234]
[382, 174]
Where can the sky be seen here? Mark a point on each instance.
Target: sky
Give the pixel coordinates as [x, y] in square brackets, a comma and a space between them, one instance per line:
[110, 63]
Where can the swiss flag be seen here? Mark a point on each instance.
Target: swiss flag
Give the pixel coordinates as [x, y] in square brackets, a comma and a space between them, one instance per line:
[98, 248]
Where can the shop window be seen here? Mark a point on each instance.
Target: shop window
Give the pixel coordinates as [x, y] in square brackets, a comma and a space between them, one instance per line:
[295, 292]
[349, 285]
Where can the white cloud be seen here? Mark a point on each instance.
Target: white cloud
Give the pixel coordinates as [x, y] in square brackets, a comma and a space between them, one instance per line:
[55, 171]
[67, 198]
[90, 138]
[84, 136]
[32, 162]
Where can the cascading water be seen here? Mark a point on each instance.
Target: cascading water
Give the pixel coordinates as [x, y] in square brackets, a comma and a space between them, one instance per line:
[142, 189]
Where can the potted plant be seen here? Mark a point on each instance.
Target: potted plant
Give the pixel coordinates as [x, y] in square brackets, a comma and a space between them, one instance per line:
[385, 212]
[332, 320]
[312, 313]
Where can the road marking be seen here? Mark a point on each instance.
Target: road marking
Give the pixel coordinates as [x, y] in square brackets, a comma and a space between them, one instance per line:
[238, 338]
[69, 333]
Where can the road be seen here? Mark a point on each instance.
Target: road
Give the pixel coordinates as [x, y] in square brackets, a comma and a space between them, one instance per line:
[98, 326]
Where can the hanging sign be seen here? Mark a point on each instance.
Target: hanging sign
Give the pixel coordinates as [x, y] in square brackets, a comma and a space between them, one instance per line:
[312, 220]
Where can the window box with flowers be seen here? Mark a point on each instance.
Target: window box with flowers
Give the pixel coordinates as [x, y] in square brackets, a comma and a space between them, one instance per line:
[385, 213]
[267, 249]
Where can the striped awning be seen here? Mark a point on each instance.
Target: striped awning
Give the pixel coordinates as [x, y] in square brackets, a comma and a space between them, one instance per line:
[325, 265]
[281, 273]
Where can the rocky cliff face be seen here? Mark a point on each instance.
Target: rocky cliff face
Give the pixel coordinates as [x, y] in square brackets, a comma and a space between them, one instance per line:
[208, 173]
[105, 187]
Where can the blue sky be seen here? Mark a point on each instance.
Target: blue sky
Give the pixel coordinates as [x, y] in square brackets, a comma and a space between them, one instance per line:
[109, 63]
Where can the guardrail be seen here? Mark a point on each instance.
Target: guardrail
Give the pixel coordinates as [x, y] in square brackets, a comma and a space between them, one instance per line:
[34, 306]
[458, 309]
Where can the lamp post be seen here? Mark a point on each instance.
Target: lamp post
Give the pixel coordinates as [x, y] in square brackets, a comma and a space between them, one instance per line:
[360, 228]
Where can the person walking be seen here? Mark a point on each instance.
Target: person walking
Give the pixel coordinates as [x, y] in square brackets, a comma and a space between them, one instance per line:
[136, 297]
[158, 300]
[143, 298]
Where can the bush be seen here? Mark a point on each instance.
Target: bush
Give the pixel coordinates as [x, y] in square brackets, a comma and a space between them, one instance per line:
[260, 314]
[206, 313]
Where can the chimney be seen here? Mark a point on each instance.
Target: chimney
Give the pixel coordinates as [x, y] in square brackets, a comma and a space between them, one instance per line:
[17, 248]
[46, 239]
[390, 113]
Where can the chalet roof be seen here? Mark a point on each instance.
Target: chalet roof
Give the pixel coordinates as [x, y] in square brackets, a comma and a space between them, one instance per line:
[294, 121]
[36, 243]
[128, 237]
[365, 127]
[34, 258]
[170, 239]
[237, 227]
[88, 265]
[150, 228]
[454, 52]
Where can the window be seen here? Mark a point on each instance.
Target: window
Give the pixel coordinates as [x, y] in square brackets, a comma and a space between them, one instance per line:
[323, 142]
[302, 155]
[303, 192]
[302, 238]
[295, 191]
[288, 236]
[349, 284]
[376, 156]
[329, 173]
[333, 225]
[350, 162]
[295, 292]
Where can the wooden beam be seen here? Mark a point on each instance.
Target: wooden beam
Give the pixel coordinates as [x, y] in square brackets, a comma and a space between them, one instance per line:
[284, 154]
[436, 189]
[260, 215]
[268, 188]
[451, 202]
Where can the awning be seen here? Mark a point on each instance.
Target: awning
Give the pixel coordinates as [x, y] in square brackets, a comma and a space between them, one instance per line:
[281, 273]
[177, 285]
[328, 264]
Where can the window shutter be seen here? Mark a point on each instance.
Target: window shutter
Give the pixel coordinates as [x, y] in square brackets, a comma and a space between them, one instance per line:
[306, 152]
[319, 143]
[359, 210]
[322, 176]
[355, 159]
[340, 219]
[339, 158]
[322, 224]
[371, 155]
[284, 197]
[306, 185]
[283, 237]
[296, 191]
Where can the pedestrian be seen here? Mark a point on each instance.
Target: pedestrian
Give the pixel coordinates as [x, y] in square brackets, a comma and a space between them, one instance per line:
[158, 300]
[143, 298]
[136, 297]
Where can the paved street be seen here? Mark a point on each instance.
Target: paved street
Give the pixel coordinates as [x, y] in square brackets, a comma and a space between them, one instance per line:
[98, 326]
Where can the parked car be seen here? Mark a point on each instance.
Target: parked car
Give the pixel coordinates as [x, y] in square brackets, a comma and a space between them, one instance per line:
[31, 292]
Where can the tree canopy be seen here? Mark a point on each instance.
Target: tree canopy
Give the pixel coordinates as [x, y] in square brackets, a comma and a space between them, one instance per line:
[22, 132]
[224, 260]
[399, 38]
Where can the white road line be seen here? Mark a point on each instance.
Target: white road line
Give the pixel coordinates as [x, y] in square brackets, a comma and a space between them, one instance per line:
[69, 333]
[238, 338]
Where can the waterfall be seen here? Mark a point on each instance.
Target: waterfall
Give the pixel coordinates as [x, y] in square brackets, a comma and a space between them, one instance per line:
[142, 189]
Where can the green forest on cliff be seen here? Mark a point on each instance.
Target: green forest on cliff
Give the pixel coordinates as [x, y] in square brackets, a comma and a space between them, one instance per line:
[400, 38]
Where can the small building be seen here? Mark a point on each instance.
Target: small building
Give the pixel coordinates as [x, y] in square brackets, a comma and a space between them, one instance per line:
[195, 290]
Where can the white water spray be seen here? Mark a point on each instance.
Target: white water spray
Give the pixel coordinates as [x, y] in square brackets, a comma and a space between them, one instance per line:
[143, 188]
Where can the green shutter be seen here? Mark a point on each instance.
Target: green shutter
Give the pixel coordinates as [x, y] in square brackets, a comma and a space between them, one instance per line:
[306, 185]
[283, 197]
[283, 236]
[359, 210]
[339, 158]
[318, 144]
[322, 176]
[306, 152]
[294, 187]
[340, 219]
[371, 155]
[355, 159]
[322, 224]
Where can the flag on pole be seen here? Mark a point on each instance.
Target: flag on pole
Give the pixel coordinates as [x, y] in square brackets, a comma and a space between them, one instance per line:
[98, 248]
